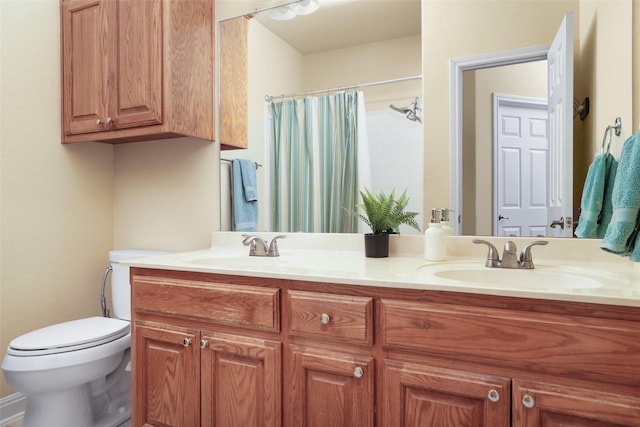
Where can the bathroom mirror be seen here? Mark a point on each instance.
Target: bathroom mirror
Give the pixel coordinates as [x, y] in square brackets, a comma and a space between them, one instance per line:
[436, 160]
[383, 61]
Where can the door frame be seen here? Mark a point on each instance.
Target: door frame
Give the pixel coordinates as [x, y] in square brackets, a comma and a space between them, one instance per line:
[456, 67]
[498, 100]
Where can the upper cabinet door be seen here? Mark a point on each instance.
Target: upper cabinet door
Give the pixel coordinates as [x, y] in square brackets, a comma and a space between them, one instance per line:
[84, 66]
[135, 70]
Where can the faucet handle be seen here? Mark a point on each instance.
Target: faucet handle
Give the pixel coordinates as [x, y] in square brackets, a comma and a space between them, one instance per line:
[526, 260]
[493, 260]
[273, 246]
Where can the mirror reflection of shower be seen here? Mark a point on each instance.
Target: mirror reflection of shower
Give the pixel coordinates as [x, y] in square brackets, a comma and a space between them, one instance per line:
[413, 112]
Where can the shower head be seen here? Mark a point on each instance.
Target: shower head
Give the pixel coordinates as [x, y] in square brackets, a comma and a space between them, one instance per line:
[402, 110]
[413, 112]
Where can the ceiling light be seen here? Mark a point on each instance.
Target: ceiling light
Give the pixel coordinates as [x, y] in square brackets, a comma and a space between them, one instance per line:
[305, 7]
[282, 13]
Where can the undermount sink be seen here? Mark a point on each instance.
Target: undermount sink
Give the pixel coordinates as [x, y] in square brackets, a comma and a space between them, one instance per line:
[287, 262]
[233, 259]
[542, 277]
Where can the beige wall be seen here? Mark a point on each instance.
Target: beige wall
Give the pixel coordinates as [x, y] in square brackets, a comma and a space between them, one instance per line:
[56, 214]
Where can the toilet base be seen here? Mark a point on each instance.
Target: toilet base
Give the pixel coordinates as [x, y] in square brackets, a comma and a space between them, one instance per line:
[72, 408]
[69, 408]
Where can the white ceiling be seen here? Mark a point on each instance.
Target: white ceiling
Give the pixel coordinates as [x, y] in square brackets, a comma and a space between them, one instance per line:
[343, 23]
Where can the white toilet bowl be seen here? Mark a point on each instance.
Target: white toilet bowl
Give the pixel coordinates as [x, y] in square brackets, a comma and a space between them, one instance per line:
[66, 372]
[76, 374]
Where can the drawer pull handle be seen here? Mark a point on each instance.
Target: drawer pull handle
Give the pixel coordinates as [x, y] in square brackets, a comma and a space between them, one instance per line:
[528, 401]
[325, 319]
[203, 343]
[186, 342]
[493, 395]
[358, 372]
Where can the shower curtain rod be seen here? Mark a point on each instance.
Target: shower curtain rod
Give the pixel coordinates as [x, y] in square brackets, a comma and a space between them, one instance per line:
[270, 98]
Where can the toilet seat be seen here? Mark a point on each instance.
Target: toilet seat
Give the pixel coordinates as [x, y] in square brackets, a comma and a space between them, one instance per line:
[69, 336]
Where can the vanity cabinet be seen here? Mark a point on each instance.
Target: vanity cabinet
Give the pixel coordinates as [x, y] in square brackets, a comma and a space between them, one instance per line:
[266, 351]
[137, 70]
[195, 361]
[330, 386]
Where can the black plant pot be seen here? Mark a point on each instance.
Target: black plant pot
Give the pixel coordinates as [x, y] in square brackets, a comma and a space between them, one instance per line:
[376, 245]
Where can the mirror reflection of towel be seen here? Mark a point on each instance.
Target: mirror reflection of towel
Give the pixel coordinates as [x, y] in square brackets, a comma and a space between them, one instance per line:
[596, 205]
[244, 195]
[621, 235]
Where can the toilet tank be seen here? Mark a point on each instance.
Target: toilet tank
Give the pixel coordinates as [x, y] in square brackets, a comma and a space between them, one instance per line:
[120, 285]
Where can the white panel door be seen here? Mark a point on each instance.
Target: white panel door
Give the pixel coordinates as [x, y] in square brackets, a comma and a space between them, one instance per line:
[560, 97]
[521, 166]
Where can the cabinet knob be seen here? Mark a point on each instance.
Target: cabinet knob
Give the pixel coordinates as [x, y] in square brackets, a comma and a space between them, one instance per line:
[358, 372]
[203, 343]
[325, 319]
[493, 395]
[110, 121]
[99, 122]
[528, 401]
[186, 342]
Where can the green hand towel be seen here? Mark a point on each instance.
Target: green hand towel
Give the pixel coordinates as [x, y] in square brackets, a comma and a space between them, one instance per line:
[607, 202]
[621, 232]
[593, 197]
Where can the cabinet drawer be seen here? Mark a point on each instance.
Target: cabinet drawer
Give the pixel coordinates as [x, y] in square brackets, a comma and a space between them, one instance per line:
[564, 343]
[248, 306]
[333, 317]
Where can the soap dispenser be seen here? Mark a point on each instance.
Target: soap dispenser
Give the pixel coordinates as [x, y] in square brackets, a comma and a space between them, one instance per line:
[446, 224]
[435, 238]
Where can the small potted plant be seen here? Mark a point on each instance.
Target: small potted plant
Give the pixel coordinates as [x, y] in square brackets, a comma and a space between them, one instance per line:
[383, 214]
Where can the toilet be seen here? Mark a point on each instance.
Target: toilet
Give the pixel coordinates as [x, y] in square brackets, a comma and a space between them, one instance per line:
[77, 373]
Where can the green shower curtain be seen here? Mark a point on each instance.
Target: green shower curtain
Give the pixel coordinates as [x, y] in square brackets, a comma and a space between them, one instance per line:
[314, 133]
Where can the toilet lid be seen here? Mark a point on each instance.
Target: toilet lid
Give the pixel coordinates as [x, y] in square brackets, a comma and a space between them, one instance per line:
[70, 336]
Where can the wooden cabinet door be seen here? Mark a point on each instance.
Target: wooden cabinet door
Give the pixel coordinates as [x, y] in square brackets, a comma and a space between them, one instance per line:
[85, 70]
[547, 405]
[166, 389]
[241, 381]
[416, 395]
[330, 389]
[135, 66]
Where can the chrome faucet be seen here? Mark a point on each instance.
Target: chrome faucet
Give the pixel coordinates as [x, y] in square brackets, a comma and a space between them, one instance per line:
[259, 247]
[509, 257]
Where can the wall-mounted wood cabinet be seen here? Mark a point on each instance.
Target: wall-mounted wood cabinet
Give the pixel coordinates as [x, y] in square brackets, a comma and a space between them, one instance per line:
[137, 70]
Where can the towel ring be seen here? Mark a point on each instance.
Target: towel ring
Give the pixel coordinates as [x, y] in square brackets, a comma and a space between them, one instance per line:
[617, 128]
[607, 131]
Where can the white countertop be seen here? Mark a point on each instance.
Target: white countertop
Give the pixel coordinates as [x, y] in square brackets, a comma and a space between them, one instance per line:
[566, 269]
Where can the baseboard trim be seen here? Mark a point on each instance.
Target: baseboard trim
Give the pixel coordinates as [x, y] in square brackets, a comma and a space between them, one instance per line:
[12, 408]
